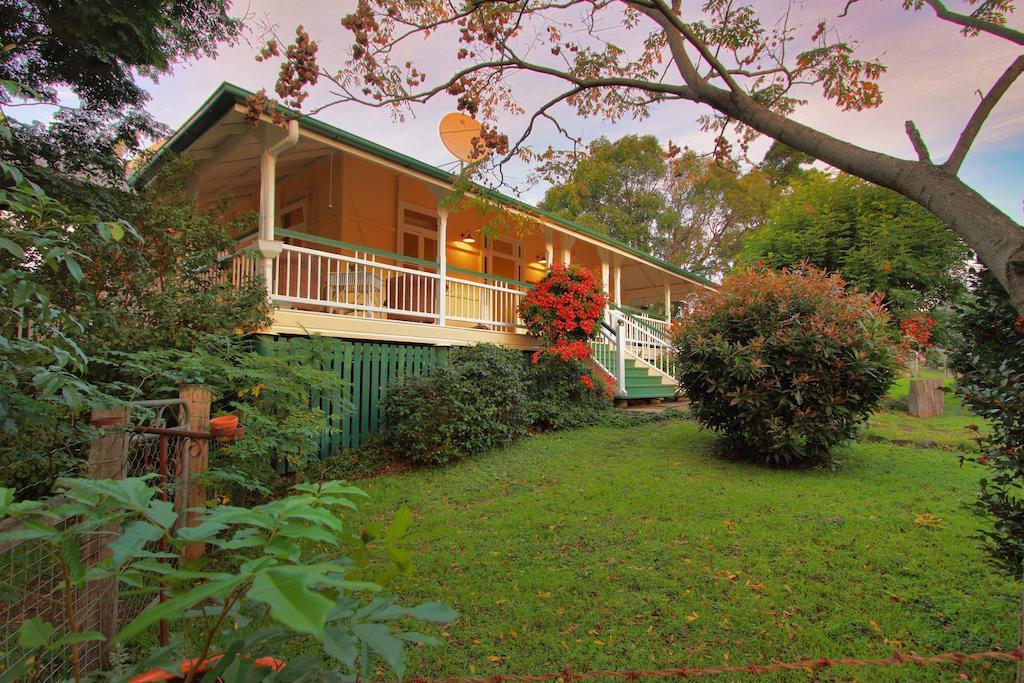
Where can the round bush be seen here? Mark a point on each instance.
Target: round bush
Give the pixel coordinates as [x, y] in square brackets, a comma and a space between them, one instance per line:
[474, 404]
[785, 364]
[565, 394]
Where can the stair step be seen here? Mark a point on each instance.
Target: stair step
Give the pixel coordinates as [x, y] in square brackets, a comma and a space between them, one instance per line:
[647, 381]
[663, 391]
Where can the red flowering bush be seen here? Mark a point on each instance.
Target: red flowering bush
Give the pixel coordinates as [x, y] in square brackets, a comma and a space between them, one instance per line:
[917, 330]
[785, 364]
[564, 310]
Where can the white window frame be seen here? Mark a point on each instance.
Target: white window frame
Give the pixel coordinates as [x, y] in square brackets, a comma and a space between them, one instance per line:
[517, 254]
[407, 228]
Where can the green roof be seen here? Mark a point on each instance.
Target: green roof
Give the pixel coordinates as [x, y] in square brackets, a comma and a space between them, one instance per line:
[228, 95]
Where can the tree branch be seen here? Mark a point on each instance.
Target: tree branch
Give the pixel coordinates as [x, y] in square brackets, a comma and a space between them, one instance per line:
[975, 24]
[663, 15]
[977, 120]
[918, 142]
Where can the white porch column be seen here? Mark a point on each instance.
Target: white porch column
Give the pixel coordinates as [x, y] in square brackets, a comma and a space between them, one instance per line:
[270, 148]
[668, 302]
[617, 275]
[549, 248]
[605, 277]
[567, 242]
[442, 261]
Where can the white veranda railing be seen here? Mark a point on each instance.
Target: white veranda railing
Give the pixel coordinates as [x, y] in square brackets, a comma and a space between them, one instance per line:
[373, 284]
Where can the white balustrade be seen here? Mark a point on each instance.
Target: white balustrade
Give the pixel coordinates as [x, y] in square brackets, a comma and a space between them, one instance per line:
[359, 285]
[494, 305]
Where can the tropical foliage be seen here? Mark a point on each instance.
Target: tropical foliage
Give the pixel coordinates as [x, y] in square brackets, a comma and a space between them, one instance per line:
[566, 394]
[472, 405]
[784, 364]
[291, 572]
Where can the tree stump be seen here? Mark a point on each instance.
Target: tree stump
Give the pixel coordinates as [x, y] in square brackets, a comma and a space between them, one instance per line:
[926, 398]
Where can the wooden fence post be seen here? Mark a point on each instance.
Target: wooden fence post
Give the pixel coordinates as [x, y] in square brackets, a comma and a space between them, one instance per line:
[108, 457]
[198, 399]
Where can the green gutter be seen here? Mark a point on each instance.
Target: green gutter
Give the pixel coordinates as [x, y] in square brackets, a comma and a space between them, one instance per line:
[228, 94]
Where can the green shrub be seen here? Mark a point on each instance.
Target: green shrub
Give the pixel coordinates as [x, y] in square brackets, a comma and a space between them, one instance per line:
[565, 394]
[784, 364]
[988, 358]
[474, 404]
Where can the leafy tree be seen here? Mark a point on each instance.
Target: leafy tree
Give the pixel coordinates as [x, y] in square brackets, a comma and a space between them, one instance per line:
[615, 188]
[692, 211]
[713, 208]
[876, 239]
[741, 63]
[95, 50]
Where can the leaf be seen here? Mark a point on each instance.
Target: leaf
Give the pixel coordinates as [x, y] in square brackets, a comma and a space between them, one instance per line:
[380, 640]
[341, 644]
[401, 523]
[433, 612]
[285, 590]
[34, 632]
[135, 536]
[173, 608]
[12, 248]
[74, 268]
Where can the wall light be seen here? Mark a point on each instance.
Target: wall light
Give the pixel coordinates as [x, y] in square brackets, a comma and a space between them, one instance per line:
[542, 259]
[468, 238]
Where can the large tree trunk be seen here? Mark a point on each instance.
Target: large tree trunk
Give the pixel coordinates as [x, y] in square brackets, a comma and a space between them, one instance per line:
[997, 239]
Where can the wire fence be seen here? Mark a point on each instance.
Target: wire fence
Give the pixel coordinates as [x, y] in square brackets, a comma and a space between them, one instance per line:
[805, 665]
[143, 440]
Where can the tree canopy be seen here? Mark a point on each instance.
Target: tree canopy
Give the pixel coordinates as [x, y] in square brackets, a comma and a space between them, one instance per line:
[749, 65]
[876, 239]
[95, 51]
[616, 188]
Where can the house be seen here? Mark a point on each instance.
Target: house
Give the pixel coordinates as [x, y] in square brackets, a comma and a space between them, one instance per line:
[357, 244]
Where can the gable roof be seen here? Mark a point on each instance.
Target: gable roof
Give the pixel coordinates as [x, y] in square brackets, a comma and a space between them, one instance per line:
[227, 95]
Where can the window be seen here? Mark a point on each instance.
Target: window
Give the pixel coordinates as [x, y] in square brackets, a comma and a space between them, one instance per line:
[417, 232]
[503, 256]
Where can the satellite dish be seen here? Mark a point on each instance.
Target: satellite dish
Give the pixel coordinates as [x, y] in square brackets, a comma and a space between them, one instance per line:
[457, 132]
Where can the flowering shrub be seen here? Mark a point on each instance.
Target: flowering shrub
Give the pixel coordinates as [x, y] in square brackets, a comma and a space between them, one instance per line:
[564, 310]
[918, 331]
[785, 364]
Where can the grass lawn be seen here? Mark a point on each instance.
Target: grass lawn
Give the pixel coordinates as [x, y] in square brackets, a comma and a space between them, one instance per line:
[636, 547]
[948, 431]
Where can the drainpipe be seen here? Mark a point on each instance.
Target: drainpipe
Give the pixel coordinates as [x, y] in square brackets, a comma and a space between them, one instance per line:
[268, 247]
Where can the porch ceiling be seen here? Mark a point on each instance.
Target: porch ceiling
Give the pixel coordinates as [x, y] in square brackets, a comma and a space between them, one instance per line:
[228, 158]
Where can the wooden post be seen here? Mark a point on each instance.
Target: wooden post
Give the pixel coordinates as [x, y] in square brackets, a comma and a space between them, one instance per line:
[198, 399]
[442, 260]
[926, 398]
[108, 457]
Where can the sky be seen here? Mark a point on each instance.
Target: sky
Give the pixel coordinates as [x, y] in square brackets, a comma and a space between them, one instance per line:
[933, 77]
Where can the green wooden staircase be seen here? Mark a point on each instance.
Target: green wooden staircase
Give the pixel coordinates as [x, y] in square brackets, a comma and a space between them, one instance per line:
[641, 382]
[641, 354]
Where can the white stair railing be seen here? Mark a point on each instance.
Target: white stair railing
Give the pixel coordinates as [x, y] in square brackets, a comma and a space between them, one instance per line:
[606, 350]
[646, 344]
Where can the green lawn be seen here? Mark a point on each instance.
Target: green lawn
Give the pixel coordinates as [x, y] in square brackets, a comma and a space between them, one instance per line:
[948, 431]
[636, 547]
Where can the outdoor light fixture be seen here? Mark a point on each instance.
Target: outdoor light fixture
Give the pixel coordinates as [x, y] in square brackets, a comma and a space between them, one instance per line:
[468, 238]
[542, 259]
